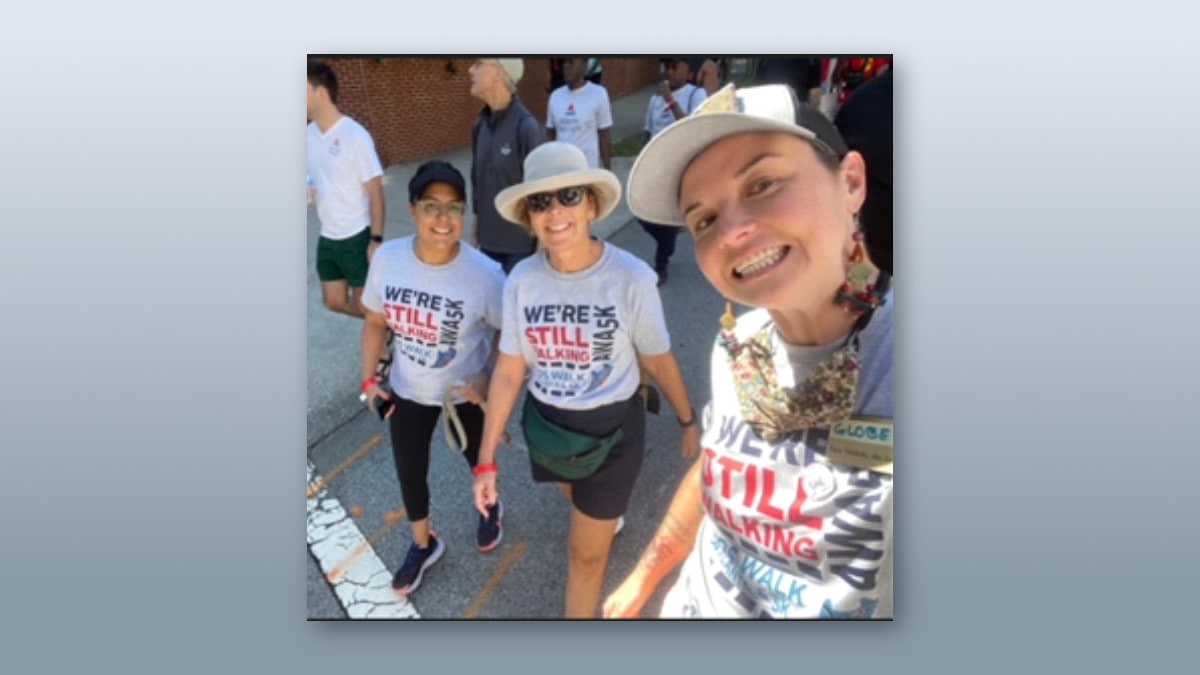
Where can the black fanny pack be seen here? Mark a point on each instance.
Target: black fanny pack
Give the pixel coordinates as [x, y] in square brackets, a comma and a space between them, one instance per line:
[567, 453]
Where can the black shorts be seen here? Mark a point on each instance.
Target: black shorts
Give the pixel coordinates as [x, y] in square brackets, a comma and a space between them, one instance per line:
[605, 494]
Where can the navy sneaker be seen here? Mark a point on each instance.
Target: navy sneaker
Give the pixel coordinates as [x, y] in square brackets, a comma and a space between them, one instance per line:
[408, 577]
[490, 531]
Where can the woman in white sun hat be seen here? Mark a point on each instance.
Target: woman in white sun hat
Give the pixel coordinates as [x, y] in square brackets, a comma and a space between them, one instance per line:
[579, 317]
[789, 512]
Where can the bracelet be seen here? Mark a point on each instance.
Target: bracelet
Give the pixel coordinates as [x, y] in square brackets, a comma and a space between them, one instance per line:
[377, 238]
[368, 383]
[481, 469]
[689, 423]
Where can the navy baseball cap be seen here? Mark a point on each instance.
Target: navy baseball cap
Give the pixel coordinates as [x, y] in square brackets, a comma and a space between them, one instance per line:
[434, 172]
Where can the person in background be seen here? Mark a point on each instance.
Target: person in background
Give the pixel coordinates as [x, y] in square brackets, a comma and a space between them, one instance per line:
[706, 74]
[674, 100]
[865, 121]
[579, 113]
[503, 135]
[595, 71]
[440, 301]
[580, 317]
[788, 513]
[556, 74]
[851, 73]
[346, 182]
[803, 75]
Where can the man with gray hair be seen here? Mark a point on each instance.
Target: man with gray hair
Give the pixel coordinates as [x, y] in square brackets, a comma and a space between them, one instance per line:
[503, 135]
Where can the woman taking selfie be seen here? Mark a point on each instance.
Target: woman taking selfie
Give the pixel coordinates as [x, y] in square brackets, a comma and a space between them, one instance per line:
[788, 513]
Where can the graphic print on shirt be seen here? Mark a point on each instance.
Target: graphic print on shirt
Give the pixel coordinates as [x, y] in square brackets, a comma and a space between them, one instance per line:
[426, 325]
[797, 535]
[865, 608]
[573, 345]
[570, 125]
[665, 117]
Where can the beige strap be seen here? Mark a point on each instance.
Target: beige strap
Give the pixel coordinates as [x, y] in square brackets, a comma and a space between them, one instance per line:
[457, 439]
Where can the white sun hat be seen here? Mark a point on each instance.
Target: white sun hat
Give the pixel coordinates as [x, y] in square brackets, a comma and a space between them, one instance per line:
[553, 166]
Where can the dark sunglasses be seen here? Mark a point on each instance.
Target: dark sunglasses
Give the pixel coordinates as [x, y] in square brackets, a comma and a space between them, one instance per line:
[568, 196]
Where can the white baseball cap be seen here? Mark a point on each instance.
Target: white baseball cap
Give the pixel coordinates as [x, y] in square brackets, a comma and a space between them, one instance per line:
[514, 68]
[653, 186]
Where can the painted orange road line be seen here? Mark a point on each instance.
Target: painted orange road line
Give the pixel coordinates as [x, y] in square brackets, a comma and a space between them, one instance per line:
[320, 483]
[391, 519]
[510, 558]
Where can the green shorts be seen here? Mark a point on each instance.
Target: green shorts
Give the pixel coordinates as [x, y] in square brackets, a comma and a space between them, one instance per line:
[339, 259]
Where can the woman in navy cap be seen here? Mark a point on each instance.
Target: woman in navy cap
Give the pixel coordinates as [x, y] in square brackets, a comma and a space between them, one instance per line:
[440, 301]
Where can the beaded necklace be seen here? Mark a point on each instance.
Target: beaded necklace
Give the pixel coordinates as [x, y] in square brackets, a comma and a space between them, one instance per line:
[824, 398]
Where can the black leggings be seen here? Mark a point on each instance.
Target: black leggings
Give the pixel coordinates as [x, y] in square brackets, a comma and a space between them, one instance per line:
[664, 237]
[412, 426]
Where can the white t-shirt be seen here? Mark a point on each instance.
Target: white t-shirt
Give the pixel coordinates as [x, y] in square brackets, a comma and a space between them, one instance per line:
[580, 333]
[443, 316]
[788, 533]
[659, 116]
[340, 161]
[577, 115]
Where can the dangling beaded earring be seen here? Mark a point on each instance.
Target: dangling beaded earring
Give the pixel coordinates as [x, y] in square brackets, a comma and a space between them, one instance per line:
[856, 296]
[727, 320]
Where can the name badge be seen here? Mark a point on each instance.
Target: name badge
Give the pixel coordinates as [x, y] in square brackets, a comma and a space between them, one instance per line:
[862, 442]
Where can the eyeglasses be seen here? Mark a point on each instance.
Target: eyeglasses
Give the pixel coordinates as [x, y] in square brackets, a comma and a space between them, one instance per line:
[432, 209]
[568, 196]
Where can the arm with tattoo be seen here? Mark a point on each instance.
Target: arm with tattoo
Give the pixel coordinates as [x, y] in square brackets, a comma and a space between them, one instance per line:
[670, 546]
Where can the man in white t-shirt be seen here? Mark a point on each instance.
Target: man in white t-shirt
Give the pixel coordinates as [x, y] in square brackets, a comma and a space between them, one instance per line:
[579, 113]
[346, 183]
[676, 98]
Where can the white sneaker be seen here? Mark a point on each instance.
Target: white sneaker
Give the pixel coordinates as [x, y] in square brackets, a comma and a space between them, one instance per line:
[620, 525]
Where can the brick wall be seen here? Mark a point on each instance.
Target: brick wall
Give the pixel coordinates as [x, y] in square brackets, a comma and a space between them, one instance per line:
[420, 107]
[625, 76]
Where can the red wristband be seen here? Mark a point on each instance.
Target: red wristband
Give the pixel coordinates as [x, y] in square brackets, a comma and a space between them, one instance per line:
[368, 383]
[481, 469]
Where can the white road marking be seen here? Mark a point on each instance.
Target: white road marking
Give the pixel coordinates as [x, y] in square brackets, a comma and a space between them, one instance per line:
[365, 590]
